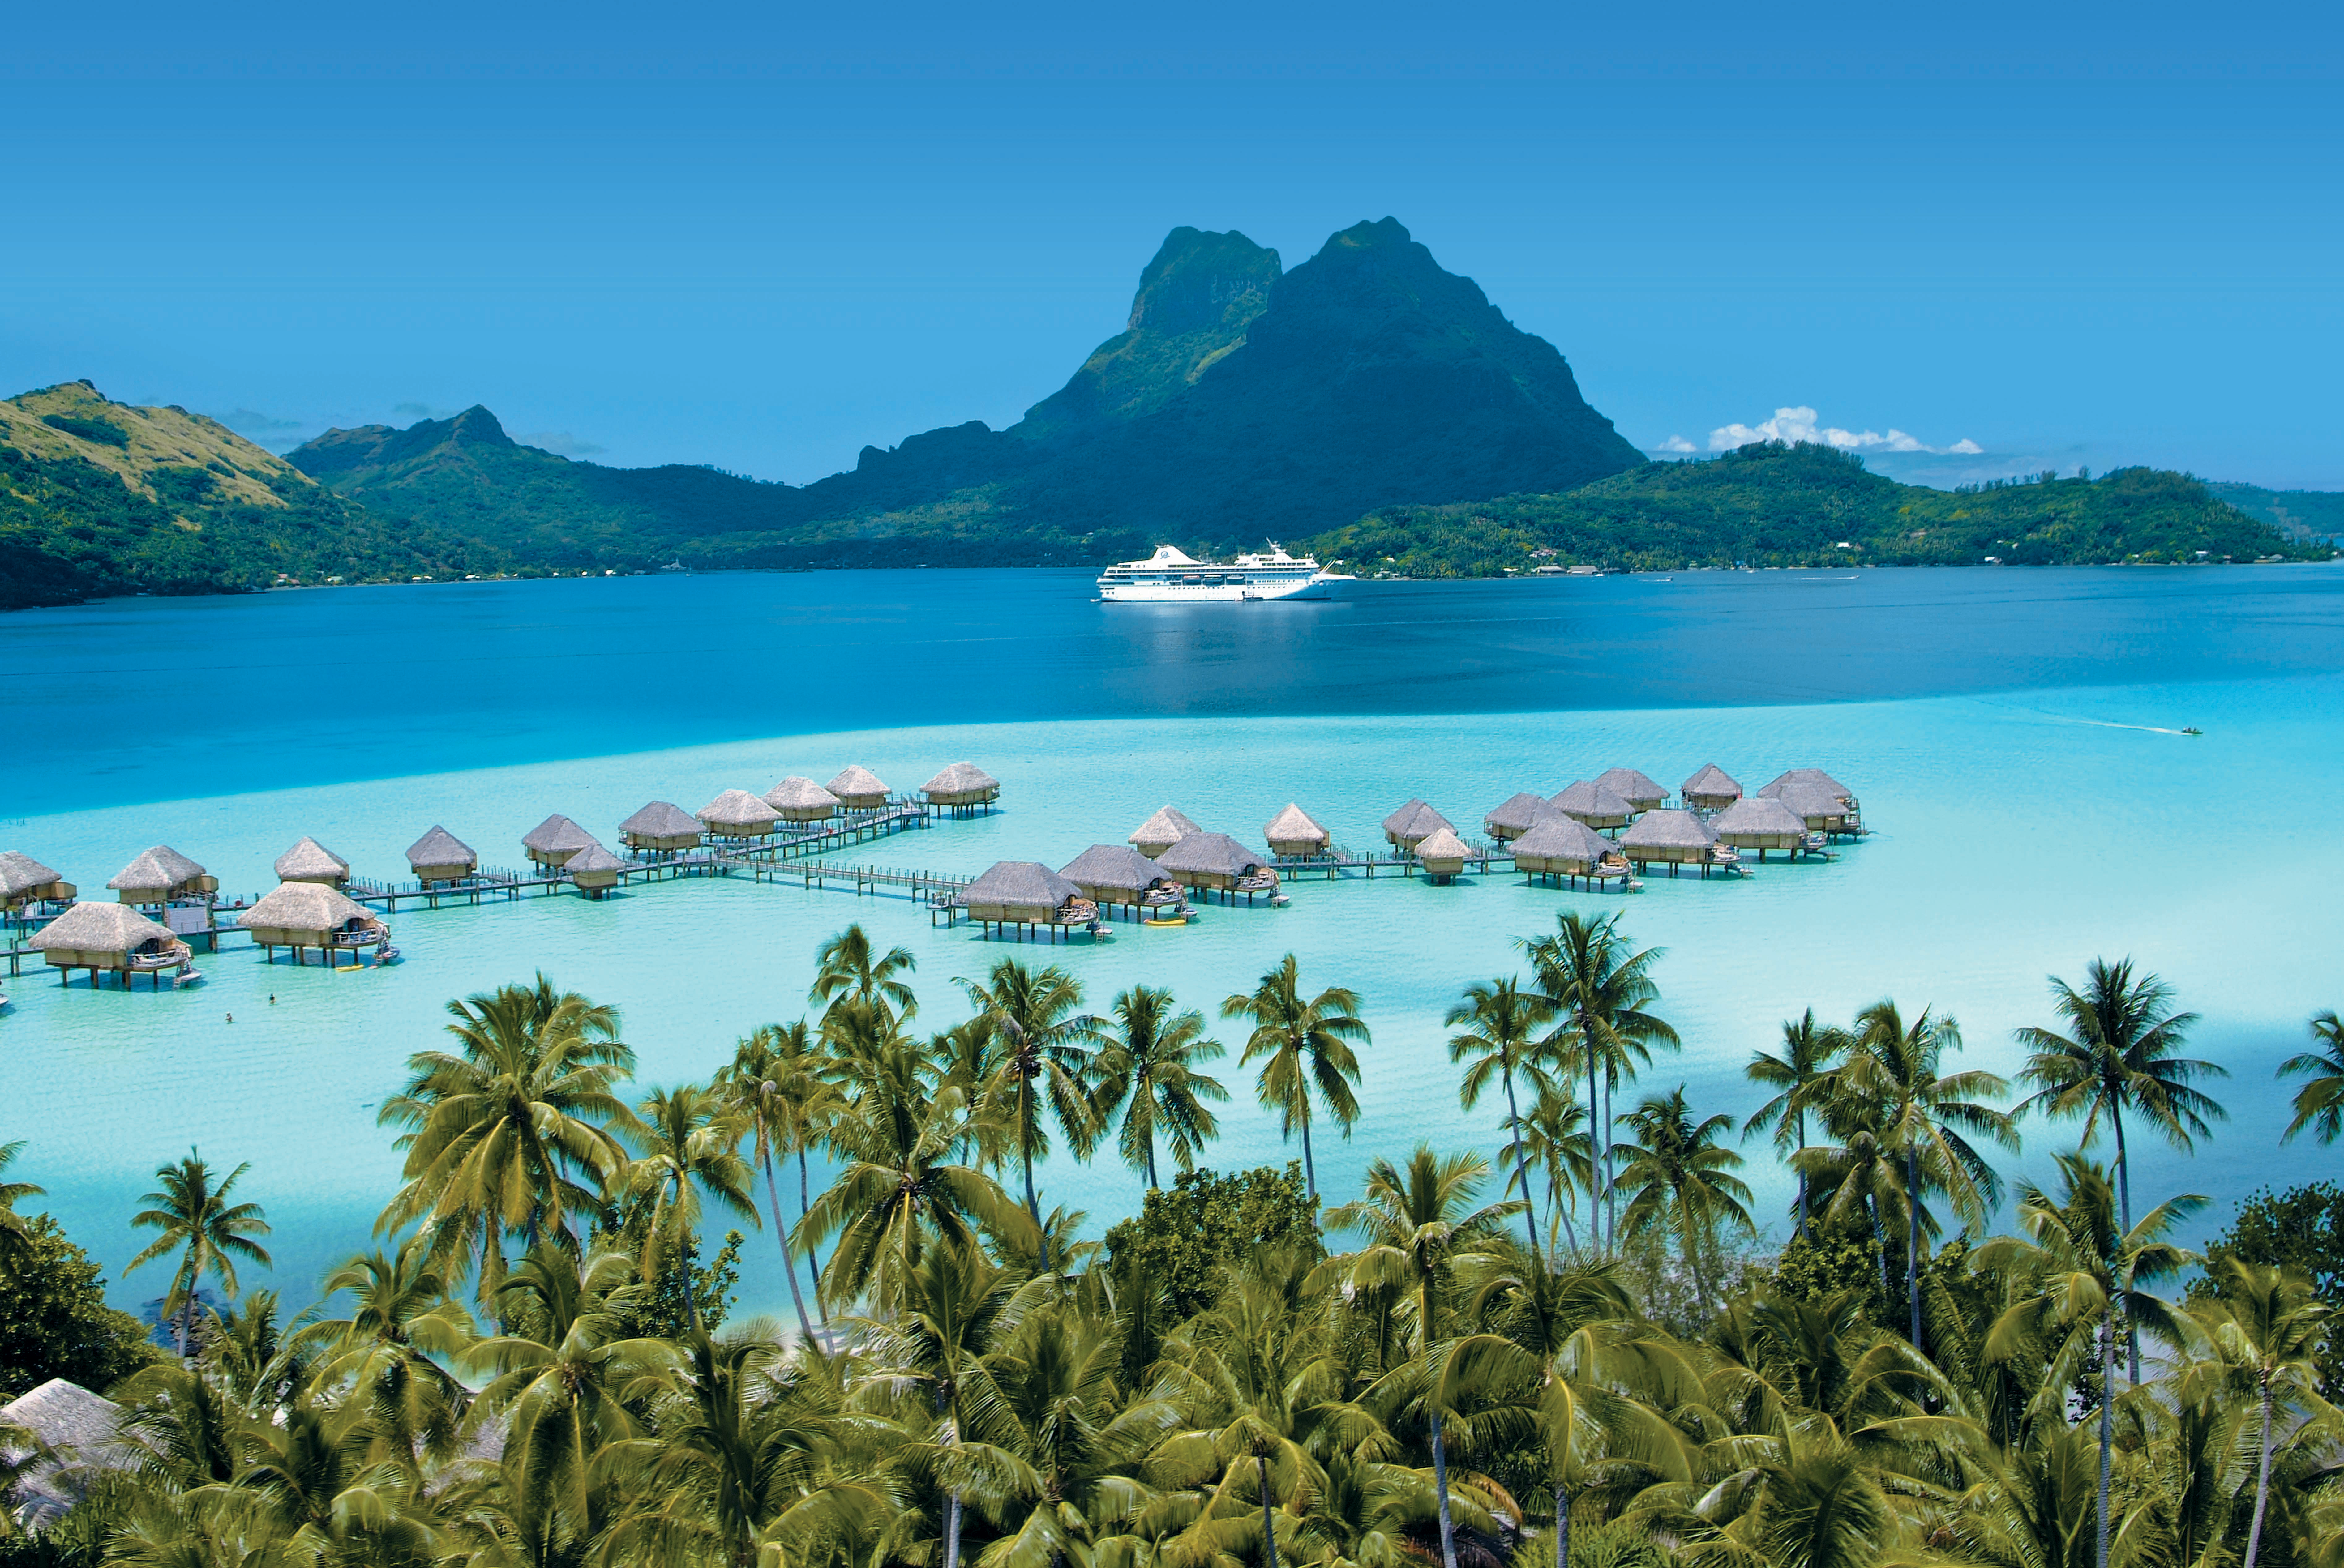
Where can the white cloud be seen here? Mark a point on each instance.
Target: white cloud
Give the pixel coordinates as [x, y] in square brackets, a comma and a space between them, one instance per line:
[1792, 426]
[1674, 444]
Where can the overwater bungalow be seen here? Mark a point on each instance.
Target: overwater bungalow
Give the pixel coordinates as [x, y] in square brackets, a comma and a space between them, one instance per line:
[1441, 853]
[25, 881]
[1673, 839]
[1760, 822]
[736, 814]
[963, 788]
[1413, 823]
[1215, 862]
[1027, 893]
[1518, 814]
[1811, 775]
[161, 875]
[311, 861]
[301, 914]
[661, 827]
[1116, 876]
[1594, 803]
[1640, 790]
[555, 841]
[1824, 808]
[802, 801]
[1565, 847]
[1711, 789]
[1161, 832]
[593, 871]
[439, 858]
[858, 788]
[110, 938]
[1292, 834]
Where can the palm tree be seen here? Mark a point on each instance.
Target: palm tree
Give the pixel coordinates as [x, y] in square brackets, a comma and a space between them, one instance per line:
[1860, 1176]
[1809, 1051]
[848, 966]
[691, 1145]
[1046, 1061]
[1553, 1138]
[1604, 995]
[1151, 1061]
[1681, 1179]
[771, 1083]
[2319, 1102]
[1305, 1048]
[1505, 1020]
[2268, 1323]
[209, 1232]
[2119, 1054]
[2077, 1269]
[390, 1349]
[15, 1240]
[517, 1130]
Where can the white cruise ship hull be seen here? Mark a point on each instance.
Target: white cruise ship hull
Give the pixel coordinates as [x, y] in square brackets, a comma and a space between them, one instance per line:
[1312, 588]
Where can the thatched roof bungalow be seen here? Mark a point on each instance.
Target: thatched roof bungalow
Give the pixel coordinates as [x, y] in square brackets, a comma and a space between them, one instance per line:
[300, 915]
[161, 875]
[1518, 814]
[1811, 775]
[662, 828]
[858, 788]
[311, 861]
[555, 841]
[1293, 833]
[1413, 823]
[1161, 832]
[1441, 853]
[81, 1432]
[593, 871]
[1760, 822]
[962, 786]
[25, 881]
[1639, 790]
[110, 937]
[802, 801]
[1026, 893]
[1668, 837]
[441, 857]
[1824, 808]
[1217, 861]
[1117, 874]
[1564, 847]
[1711, 789]
[736, 814]
[1594, 803]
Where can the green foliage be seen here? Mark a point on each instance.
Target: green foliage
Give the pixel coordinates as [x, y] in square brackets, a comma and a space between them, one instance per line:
[2293, 1227]
[1821, 1265]
[54, 1322]
[105, 432]
[1188, 1235]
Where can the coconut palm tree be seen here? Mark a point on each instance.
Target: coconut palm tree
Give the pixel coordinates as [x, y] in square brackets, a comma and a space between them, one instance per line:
[1553, 1138]
[1305, 1051]
[1602, 996]
[1045, 1065]
[196, 1219]
[691, 1145]
[1680, 1178]
[14, 1239]
[2321, 1102]
[848, 965]
[392, 1347]
[773, 1085]
[2267, 1324]
[514, 1132]
[1809, 1051]
[1147, 1069]
[1505, 1022]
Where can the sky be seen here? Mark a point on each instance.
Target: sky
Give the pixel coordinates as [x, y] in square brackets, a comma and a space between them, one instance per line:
[1970, 241]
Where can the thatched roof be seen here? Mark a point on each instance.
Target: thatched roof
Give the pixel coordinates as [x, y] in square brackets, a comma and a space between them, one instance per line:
[1758, 814]
[305, 906]
[1026, 882]
[1809, 776]
[1562, 837]
[158, 869]
[441, 848]
[1415, 820]
[1117, 866]
[100, 929]
[593, 858]
[1216, 853]
[1636, 788]
[661, 819]
[1441, 844]
[1520, 810]
[856, 780]
[1293, 826]
[1711, 781]
[736, 808]
[82, 1429]
[557, 835]
[1169, 826]
[1811, 800]
[65, 1415]
[797, 794]
[1592, 798]
[1667, 830]
[309, 859]
[961, 778]
[18, 872]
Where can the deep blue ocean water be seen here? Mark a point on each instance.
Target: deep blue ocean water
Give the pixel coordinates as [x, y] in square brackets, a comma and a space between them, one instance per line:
[2011, 734]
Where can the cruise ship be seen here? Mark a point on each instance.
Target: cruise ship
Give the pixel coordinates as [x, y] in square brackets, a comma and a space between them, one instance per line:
[1171, 576]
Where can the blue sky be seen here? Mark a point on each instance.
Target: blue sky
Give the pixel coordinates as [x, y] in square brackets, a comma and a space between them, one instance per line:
[762, 236]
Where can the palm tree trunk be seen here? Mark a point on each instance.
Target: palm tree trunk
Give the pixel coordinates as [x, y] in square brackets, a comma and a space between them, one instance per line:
[188, 1317]
[1595, 1165]
[1611, 1188]
[1880, 1245]
[1309, 1169]
[951, 1497]
[781, 1236]
[1912, 1243]
[1268, 1524]
[2124, 1198]
[2107, 1428]
[1521, 1166]
[1151, 1151]
[1569, 1231]
[813, 1256]
[1802, 1231]
[1026, 1156]
[1561, 1528]
[2262, 1481]
[1440, 1485]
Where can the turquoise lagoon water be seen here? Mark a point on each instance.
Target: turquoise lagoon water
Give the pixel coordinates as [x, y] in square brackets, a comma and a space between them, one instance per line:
[2009, 734]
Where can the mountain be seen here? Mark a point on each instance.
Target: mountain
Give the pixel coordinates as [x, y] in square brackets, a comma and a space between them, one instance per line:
[99, 498]
[1240, 403]
[1772, 505]
[2309, 517]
